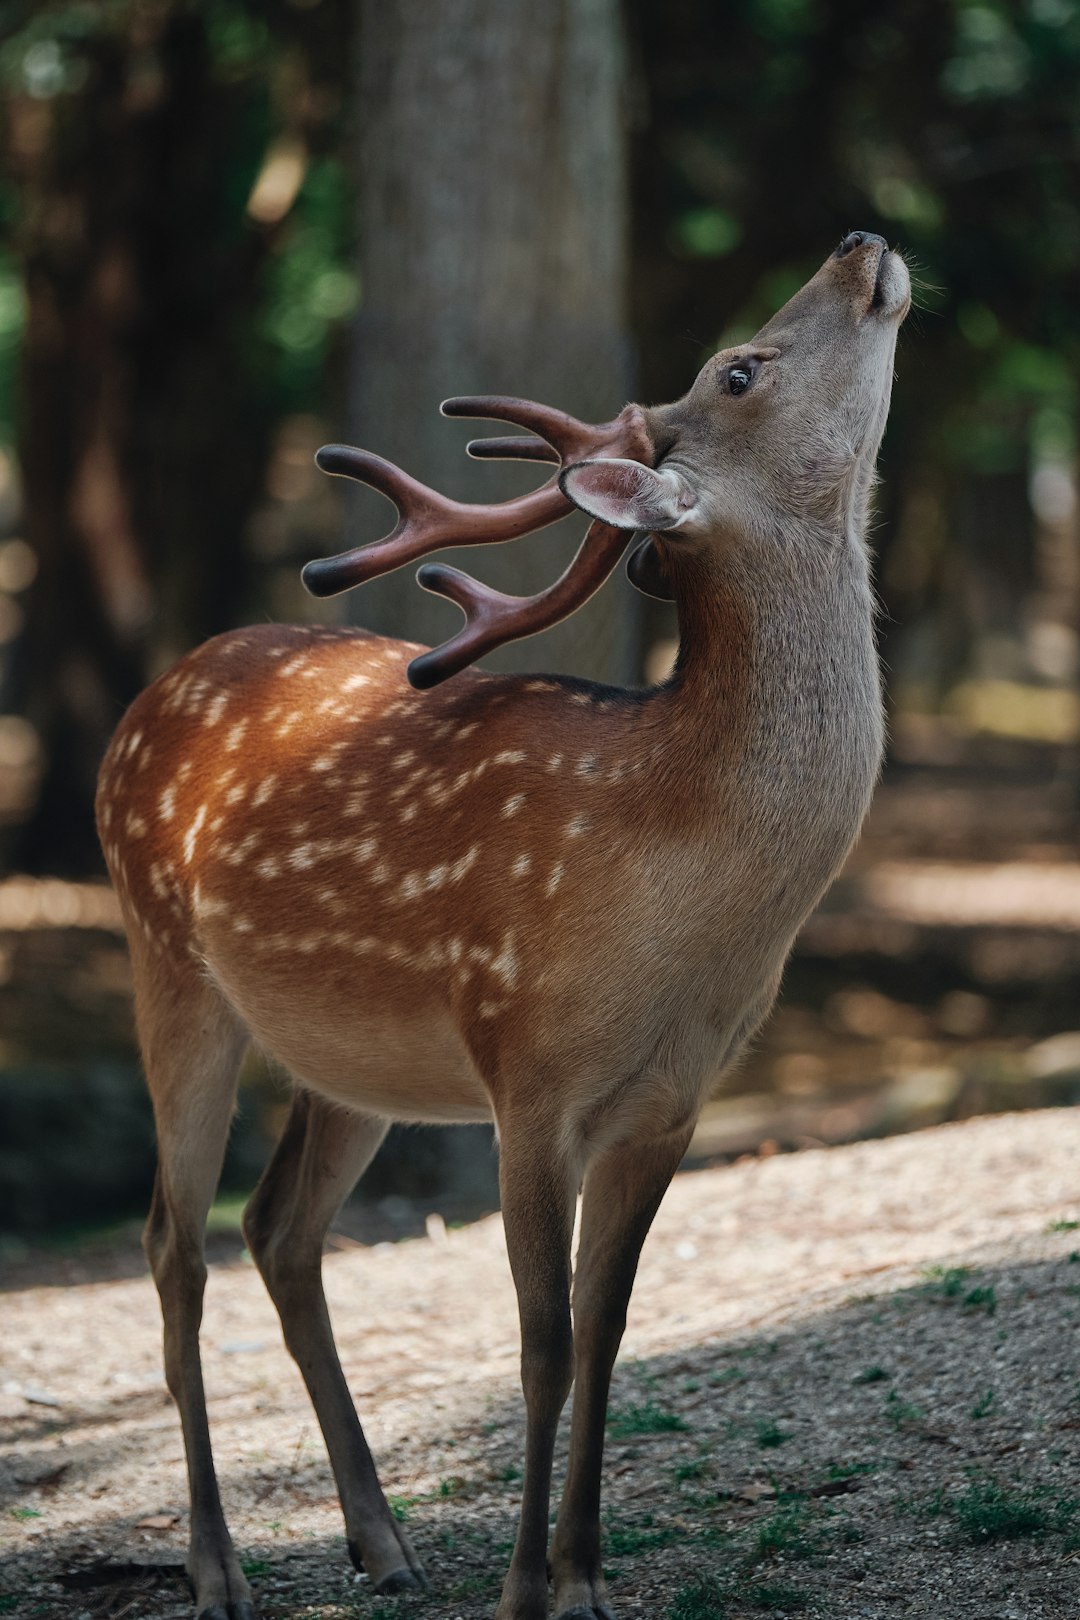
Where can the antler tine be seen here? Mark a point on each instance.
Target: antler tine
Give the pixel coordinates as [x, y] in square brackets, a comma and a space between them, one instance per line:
[427, 521]
[492, 618]
[516, 447]
[574, 440]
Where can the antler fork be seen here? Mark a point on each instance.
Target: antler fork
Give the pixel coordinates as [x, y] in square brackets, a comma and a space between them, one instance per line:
[428, 521]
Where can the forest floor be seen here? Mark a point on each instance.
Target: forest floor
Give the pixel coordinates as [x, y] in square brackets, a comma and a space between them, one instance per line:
[850, 1386]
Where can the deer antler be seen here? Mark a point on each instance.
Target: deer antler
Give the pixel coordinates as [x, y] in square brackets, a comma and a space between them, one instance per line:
[429, 521]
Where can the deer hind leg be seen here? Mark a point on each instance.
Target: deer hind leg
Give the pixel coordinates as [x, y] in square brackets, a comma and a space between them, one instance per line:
[623, 1189]
[539, 1191]
[192, 1046]
[322, 1153]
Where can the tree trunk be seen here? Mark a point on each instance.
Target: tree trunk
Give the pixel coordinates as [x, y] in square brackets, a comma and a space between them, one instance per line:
[493, 216]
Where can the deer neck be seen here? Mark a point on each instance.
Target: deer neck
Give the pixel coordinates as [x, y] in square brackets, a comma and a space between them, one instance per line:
[776, 693]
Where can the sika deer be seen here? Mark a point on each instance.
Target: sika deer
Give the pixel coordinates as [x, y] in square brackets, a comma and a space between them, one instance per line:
[558, 905]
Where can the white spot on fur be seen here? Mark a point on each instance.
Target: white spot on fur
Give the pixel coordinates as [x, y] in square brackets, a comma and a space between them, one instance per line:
[167, 803]
[505, 965]
[216, 708]
[192, 834]
[263, 791]
[576, 826]
[236, 732]
[555, 877]
[521, 865]
[513, 805]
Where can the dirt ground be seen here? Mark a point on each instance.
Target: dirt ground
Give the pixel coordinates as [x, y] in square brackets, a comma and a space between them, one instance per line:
[850, 1387]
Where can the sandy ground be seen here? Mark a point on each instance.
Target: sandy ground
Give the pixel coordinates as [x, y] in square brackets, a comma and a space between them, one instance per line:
[850, 1386]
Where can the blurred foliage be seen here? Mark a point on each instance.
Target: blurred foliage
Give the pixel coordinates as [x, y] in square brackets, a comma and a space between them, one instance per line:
[952, 127]
[49, 54]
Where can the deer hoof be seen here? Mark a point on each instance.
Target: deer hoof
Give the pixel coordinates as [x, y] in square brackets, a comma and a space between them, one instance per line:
[240, 1610]
[399, 1580]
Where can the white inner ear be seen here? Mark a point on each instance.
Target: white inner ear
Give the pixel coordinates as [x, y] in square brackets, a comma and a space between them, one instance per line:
[628, 495]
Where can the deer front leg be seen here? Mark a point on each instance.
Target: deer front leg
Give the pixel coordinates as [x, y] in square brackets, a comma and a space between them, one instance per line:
[539, 1190]
[623, 1189]
[323, 1151]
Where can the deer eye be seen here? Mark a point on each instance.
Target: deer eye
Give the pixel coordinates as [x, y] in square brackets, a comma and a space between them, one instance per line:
[739, 379]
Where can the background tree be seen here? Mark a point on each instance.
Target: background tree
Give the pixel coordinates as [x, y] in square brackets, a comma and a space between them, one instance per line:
[493, 259]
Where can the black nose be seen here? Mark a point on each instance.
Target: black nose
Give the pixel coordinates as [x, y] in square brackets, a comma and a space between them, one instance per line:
[855, 239]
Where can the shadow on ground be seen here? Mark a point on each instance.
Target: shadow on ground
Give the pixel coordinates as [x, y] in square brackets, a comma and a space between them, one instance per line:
[912, 1452]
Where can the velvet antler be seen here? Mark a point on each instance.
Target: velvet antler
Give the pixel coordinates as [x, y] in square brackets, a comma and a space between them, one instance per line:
[429, 521]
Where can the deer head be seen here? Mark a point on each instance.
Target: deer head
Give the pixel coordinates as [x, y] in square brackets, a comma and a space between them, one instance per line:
[778, 436]
[775, 440]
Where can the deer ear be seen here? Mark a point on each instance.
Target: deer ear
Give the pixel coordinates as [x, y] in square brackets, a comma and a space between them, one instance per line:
[647, 570]
[628, 495]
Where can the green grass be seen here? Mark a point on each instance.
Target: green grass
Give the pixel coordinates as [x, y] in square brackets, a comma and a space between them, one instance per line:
[1062, 1226]
[899, 1412]
[255, 1567]
[645, 1418]
[981, 1408]
[786, 1532]
[23, 1513]
[872, 1375]
[983, 1298]
[769, 1434]
[709, 1598]
[987, 1511]
[623, 1541]
[945, 1282]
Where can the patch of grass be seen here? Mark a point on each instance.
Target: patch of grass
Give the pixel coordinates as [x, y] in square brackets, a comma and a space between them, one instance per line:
[703, 1599]
[399, 1507]
[945, 1282]
[1062, 1226]
[727, 1375]
[645, 1418]
[990, 1512]
[786, 1532]
[769, 1434]
[763, 1595]
[872, 1375]
[983, 1298]
[452, 1486]
[23, 1513]
[8, 1601]
[708, 1598]
[623, 1541]
[987, 1511]
[691, 1470]
[255, 1567]
[850, 1470]
[510, 1474]
[981, 1408]
[898, 1412]
[471, 1586]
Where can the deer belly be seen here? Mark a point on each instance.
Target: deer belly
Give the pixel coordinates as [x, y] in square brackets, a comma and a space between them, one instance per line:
[378, 1041]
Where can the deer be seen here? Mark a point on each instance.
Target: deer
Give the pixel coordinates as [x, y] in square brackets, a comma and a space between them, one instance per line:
[435, 894]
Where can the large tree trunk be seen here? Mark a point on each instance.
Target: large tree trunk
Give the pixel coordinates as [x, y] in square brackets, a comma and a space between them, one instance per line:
[492, 196]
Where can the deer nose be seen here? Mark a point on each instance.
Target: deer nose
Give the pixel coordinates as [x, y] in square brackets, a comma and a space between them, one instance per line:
[855, 239]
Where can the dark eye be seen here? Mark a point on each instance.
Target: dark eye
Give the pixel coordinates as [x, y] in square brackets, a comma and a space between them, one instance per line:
[739, 379]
